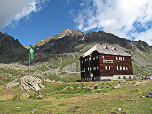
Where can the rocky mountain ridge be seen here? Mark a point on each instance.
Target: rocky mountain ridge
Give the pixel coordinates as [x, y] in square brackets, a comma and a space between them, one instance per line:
[63, 33]
[67, 41]
[8, 43]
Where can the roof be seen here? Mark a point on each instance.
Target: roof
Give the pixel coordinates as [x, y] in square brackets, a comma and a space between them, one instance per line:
[108, 50]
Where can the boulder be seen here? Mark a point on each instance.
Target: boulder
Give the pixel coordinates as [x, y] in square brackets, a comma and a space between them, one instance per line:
[27, 82]
[116, 87]
[149, 94]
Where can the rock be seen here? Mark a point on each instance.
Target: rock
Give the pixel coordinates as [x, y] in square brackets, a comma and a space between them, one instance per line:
[12, 84]
[138, 89]
[122, 81]
[27, 82]
[47, 80]
[95, 84]
[71, 88]
[119, 109]
[39, 94]
[42, 86]
[59, 82]
[117, 87]
[107, 87]
[143, 96]
[33, 111]
[99, 90]
[149, 94]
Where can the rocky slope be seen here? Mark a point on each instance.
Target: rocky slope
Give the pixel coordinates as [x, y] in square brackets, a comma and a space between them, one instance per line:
[9, 47]
[68, 39]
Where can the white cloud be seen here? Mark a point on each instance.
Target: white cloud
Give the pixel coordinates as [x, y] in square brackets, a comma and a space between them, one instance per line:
[11, 11]
[68, 1]
[117, 17]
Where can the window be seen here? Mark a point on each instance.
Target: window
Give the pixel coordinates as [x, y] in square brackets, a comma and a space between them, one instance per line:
[94, 58]
[126, 68]
[85, 59]
[82, 62]
[120, 68]
[107, 67]
[117, 67]
[123, 58]
[94, 68]
[90, 68]
[119, 77]
[123, 67]
[94, 78]
[84, 69]
[120, 58]
[97, 57]
[97, 68]
[102, 56]
[90, 58]
[116, 58]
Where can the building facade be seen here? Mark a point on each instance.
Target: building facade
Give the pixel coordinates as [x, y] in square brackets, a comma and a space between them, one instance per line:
[105, 62]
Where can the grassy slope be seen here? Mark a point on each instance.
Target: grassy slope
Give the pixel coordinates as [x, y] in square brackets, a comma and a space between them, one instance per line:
[59, 98]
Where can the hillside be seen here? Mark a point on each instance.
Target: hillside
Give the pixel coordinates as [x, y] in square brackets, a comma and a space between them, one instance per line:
[61, 52]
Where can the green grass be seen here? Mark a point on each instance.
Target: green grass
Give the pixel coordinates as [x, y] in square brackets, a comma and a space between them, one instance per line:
[60, 98]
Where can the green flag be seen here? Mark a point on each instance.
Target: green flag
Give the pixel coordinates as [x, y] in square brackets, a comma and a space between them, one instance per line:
[31, 52]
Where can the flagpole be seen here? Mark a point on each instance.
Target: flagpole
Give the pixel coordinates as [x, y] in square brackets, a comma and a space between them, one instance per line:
[29, 62]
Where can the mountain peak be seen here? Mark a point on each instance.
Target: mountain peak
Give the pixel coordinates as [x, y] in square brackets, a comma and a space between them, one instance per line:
[69, 31]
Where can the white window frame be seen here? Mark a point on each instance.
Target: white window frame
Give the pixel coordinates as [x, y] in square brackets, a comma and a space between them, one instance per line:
[116, 58]
[107, 67]
[124, 68]
[117, 67]
[120, 67]
[120, 58]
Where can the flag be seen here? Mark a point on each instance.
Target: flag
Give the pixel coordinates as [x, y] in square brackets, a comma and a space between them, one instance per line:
[31, 52]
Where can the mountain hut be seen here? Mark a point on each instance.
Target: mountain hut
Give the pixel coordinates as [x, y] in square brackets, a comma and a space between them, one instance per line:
[103, 62]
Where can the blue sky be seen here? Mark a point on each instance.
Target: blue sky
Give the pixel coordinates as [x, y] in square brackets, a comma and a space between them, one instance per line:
[33, 20]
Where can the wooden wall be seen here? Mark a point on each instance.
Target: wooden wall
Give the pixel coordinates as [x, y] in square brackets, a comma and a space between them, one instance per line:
[101, 62]
[110, 60]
